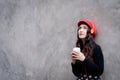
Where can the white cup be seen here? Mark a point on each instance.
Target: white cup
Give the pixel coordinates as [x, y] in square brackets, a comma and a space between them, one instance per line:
[76, 49]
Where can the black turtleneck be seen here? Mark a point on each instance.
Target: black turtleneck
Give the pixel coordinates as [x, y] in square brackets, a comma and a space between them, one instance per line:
[94, 67]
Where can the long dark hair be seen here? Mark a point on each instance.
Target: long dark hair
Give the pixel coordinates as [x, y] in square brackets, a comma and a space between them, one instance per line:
[88, 47]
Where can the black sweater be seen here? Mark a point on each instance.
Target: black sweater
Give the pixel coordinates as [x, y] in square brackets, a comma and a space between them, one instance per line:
[94, 67]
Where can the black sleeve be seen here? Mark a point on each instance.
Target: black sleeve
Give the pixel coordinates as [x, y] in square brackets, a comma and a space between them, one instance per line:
[77, 68]
[96, 67]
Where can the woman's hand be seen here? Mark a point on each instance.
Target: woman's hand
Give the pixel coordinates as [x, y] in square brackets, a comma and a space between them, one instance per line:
[77, 56]
[73, 60]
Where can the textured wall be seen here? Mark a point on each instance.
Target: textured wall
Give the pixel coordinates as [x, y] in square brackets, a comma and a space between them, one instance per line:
[37, 36]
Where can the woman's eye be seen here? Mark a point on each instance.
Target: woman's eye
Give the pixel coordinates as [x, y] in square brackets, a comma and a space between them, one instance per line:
[79, 28]
[85, 27]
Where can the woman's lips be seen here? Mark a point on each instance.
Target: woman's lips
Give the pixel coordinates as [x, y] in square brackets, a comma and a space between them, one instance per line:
[81, 34]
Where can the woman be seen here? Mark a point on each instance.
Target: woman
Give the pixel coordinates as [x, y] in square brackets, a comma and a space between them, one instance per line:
[88, 63]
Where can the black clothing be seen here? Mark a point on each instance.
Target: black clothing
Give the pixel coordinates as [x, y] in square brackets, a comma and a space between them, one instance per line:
[90, 68]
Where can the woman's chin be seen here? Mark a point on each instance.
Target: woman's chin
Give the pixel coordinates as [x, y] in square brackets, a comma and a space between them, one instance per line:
[81, 37]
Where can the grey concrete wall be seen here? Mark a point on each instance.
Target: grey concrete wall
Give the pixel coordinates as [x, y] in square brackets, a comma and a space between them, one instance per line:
[37, 36]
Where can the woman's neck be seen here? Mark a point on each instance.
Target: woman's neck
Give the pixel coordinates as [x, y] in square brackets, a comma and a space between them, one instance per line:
[83, 41]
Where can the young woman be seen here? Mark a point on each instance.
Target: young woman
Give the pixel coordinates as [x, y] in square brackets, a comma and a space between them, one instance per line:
[88, 63]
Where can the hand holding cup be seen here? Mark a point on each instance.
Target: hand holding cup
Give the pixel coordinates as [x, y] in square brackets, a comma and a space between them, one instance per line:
[77, 55]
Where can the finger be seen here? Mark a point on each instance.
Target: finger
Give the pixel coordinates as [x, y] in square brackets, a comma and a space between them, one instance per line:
[76, 58]
[73, 52]
[74, 55]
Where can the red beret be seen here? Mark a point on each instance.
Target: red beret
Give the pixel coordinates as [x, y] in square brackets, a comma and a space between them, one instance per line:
[91, 25]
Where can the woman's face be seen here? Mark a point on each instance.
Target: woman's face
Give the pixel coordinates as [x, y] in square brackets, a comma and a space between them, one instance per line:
[82, 31]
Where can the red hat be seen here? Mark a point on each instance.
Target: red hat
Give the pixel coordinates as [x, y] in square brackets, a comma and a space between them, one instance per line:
[91, 25]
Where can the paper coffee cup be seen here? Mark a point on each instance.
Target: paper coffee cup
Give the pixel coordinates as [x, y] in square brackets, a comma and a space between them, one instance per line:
[76, 49]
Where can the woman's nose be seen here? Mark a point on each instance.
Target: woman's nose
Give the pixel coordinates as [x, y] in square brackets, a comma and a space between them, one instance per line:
[81, 30]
